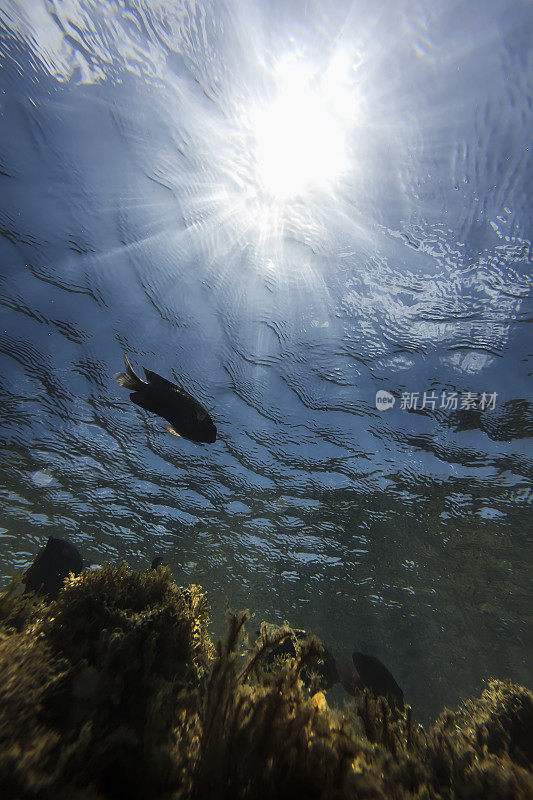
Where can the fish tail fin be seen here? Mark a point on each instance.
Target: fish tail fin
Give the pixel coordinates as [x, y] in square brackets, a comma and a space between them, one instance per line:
[128, 379]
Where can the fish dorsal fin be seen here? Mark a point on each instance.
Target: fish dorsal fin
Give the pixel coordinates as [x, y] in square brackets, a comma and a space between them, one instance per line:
[157, 380]
[153, 377]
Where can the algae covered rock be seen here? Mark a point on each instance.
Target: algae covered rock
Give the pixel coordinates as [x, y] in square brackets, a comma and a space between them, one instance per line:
[115, 690]
[112, 656]
[501, 720]
[30, 748]
[320, 673]
[121, 619]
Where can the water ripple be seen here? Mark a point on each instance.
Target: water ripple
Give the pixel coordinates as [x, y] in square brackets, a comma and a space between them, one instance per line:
[130, 222]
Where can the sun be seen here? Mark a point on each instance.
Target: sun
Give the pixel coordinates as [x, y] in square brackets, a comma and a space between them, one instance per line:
[301, 138]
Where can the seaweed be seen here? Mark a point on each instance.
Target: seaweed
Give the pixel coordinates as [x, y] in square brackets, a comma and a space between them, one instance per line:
[119, 648]
[115, 690]
[17, 607]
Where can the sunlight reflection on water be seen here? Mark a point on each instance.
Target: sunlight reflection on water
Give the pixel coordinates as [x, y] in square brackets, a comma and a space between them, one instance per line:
[135, 218]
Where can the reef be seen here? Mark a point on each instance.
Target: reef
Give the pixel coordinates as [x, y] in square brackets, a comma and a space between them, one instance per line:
[116, 690]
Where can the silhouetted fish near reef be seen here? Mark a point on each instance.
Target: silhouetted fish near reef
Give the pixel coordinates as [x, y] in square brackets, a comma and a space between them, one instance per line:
[157, 562]
[373, 675]
[187, 417]
[51, 566]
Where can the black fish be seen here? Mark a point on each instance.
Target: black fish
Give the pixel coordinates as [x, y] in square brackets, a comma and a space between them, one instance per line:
[157, 562]
[376, 677]
[51, 566]
[187, 417]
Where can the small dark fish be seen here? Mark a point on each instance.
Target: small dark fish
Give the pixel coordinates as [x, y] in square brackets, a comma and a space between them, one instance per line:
[376, 677]
[51, 566]
[156, 562]
[187, 417]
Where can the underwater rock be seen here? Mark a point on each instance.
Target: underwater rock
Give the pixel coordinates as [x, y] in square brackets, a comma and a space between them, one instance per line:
[51, 566]
[321, 671]
[324, 670]
[115, 691]
[503, 719]
[101, 676]
[319, 701]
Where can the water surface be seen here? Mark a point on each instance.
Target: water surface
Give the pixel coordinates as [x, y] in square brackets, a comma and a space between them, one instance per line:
[134, 218]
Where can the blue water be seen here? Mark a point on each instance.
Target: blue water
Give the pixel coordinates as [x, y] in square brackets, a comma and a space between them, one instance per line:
[135, 218]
